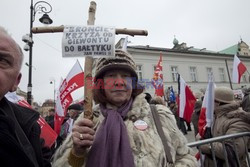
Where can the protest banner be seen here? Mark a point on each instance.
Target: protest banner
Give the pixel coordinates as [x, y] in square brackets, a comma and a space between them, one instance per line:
[79, 41]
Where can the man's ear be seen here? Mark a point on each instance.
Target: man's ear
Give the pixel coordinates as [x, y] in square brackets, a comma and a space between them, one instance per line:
[18, 79]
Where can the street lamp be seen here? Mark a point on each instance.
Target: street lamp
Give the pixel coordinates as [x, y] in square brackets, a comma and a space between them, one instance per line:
[45, 8]
[54, 82]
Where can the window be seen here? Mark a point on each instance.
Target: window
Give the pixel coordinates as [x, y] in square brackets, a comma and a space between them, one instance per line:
[193, 74]
[222, 74]
[174, 72]
[209, 72]
[139, 71]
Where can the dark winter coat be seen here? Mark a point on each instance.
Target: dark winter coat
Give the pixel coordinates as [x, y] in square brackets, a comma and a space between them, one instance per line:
[195, 116]
[230, 119]
[20, 143]
[246, 101]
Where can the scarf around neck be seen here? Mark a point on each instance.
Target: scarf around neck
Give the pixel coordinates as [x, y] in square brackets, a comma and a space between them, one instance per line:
[111, 147]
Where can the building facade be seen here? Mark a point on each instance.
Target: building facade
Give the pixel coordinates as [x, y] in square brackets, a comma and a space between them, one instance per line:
[194, 65]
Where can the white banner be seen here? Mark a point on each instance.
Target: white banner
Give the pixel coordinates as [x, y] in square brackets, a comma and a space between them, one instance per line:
[79, 41]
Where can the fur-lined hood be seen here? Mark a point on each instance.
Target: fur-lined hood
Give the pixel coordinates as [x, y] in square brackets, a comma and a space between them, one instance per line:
[233, 110]
[239, 113]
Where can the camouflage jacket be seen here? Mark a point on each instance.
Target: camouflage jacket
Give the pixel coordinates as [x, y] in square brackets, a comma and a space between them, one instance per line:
[146, 145]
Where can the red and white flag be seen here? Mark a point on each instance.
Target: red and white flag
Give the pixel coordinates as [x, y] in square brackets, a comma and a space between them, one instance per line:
[207, 109]
[47, 133]
[238, 70]
[158, 79]
[186, 100]
[73, 81]
[61, 107]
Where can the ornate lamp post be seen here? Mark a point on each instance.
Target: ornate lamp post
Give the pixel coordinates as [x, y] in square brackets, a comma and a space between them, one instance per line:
[45, 8]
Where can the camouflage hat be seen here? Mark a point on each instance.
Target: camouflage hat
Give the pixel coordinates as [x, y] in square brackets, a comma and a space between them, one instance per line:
[224, 94]
[121, 60]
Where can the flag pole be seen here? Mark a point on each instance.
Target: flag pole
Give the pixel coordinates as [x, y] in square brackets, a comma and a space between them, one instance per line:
[179, 87]
[248, 72]
[228, 75]
[162, 76]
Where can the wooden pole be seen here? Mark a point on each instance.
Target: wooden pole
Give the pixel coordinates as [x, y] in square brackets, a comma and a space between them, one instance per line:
[88, 92]
[54, 29]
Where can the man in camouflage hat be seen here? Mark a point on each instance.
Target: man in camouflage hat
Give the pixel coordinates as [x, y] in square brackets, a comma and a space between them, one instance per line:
[229, 118]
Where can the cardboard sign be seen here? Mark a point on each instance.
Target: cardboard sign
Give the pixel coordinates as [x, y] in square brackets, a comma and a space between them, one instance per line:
[80, 41]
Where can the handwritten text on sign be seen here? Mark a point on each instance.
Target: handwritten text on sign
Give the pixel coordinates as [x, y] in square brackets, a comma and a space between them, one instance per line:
[81, 41]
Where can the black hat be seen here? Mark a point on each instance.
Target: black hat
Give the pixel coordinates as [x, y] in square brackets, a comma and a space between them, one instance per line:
[75, 107]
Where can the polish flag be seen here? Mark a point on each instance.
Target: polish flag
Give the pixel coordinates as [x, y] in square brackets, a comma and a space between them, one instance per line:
[158, 79]
[73, 81]
[186, 100]
[60, 111]
[47, 133]
[62, 104]
[207, 109]
[238, 70]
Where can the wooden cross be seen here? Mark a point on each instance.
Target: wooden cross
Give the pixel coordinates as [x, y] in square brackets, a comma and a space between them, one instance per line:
[88, 93]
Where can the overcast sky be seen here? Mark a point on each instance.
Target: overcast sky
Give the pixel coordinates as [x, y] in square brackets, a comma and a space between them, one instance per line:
[211, 24]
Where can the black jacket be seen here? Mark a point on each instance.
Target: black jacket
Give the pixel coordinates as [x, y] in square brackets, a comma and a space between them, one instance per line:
[246, 102]
[20, 143]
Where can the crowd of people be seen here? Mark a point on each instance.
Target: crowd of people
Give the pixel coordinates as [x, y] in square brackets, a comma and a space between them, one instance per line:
[124, 130]
[229, 118]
